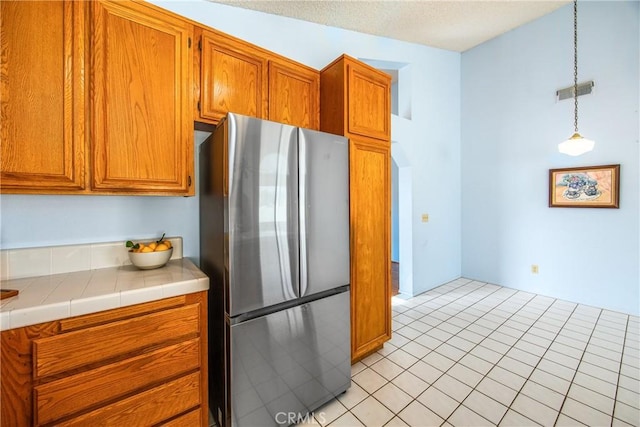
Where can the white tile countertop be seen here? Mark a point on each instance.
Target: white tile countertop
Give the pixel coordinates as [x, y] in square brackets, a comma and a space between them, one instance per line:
[74, 292]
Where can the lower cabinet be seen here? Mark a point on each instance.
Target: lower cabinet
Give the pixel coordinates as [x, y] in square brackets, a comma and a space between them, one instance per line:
[139, 365]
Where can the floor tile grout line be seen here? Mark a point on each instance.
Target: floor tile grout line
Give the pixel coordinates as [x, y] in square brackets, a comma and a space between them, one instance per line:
[615, 396]
[566, 396]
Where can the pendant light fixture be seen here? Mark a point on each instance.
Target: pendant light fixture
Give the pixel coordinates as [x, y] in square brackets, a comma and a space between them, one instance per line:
[576, 144]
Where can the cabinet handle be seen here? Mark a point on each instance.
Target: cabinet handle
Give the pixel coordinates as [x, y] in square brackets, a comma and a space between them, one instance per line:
[189, 180]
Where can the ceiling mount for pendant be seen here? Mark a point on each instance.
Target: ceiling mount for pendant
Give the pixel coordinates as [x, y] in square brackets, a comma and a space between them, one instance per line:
[568, 92]
[576, 144]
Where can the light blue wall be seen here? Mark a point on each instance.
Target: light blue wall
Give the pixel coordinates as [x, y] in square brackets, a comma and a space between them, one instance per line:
[431, 142]
[32, 221]
[511, 125]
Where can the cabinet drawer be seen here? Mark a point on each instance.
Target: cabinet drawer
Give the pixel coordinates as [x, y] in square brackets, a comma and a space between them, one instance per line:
[64, 352]
[147, 408]
[82, 391]
[190, 419]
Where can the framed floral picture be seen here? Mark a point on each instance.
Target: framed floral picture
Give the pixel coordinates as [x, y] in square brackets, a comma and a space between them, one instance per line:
[585, 187]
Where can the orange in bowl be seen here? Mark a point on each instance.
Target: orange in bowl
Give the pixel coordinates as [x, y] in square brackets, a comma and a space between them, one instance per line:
[150, 260]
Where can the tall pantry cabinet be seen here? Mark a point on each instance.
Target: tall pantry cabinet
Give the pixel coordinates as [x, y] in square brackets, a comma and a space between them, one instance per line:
[95, 98]
[355, 102]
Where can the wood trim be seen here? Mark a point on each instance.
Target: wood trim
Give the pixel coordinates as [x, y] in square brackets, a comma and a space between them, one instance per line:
[94, 319]
[333, 98]
[16, 406]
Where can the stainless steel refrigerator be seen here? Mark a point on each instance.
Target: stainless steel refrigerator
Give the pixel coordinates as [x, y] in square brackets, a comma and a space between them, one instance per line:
[274, 240]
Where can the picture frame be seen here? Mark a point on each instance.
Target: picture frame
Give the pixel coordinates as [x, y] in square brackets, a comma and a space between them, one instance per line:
[585, 187]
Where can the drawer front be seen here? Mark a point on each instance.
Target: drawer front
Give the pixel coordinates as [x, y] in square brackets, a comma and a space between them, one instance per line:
[147, 408]
[190, 419]
[64, 352]
[79, 392]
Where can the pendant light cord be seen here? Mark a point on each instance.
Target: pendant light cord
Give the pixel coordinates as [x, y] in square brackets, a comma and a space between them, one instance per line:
[575, 64]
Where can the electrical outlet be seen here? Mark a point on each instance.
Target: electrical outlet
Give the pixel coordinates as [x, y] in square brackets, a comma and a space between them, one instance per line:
[425, 217]
[534, 269]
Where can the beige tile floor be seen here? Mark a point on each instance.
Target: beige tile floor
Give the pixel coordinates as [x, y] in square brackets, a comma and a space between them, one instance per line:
[475, 354]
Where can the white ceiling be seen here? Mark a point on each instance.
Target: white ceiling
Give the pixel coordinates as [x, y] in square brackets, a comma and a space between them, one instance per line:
[455, 25]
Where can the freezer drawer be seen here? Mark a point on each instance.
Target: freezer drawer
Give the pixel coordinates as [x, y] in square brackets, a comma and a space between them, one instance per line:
[290, 362]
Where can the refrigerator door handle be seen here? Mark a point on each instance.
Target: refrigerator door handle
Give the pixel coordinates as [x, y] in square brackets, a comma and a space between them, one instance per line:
[283, 195]
[302, 211]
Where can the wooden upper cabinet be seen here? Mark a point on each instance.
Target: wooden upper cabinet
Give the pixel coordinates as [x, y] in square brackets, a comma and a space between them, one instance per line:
[141, 99]
[42, 96]
[355, 99]
[233, 78]
[294, 94]
[369, 101]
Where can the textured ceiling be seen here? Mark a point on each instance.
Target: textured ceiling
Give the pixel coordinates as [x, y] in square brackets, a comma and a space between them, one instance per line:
[452, 25]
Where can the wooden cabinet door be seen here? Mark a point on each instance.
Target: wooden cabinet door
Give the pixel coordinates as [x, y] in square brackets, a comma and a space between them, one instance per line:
[233, 78]
[141, 100]
[294, 94]
[42, 96]
[370, 205]
[369, 101]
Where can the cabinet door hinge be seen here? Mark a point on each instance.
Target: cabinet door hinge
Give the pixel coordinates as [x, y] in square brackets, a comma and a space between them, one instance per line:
[200, 44]
[189, 39]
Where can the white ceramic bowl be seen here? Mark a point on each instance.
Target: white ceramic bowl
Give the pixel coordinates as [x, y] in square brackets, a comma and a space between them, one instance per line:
[150, 260]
